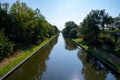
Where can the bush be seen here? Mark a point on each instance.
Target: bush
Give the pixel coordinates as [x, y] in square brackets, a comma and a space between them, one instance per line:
[6, 47]
[117, 52]
[106, 37]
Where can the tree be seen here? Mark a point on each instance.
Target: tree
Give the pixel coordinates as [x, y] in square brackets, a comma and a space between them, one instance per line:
[117, 21]
[6, 47]
[70, 30]
[73, 33]
[22, 25]
[90, 27]
[55, 29]
[103, 18]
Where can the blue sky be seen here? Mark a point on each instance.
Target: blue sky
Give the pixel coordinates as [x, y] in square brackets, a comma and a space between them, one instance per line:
[57, 12]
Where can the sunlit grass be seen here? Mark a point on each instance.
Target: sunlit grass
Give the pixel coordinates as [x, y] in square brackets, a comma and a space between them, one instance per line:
[19, 59]
[81, 42]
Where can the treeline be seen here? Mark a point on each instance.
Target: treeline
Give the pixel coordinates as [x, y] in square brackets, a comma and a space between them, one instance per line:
[20, 24]
[70, 30]
[97, 27]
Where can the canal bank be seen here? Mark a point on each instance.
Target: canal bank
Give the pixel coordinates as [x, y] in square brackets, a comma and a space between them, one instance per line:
[62, 59]
[107, 62]
[12, 66]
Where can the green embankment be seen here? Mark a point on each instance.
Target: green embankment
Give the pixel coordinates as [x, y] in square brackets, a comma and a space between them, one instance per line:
[24, 56]
[111, 64]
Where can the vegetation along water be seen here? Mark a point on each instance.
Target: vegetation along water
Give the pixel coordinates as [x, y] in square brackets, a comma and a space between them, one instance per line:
[88, 51]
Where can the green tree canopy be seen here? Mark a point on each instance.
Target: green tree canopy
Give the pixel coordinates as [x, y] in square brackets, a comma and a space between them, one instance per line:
[90, 27]
[21, 24]
[117, 21]
[70, 29]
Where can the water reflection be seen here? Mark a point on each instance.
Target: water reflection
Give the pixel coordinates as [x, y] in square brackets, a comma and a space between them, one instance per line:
[34, 68]
[69, 44]
[63, 62]
[92, 68]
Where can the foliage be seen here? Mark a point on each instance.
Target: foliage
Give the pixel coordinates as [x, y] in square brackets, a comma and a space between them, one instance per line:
[117, 21]
[6, 47]
[90, 27]
[23, 25]
[95, 29]
[106, 37]
[70, 30]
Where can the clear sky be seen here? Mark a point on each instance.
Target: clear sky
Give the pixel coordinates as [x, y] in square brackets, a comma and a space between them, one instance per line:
[57, 12]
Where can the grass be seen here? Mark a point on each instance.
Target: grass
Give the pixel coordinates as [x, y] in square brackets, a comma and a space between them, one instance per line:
[81, 42]
[92, 51]
[19, 59]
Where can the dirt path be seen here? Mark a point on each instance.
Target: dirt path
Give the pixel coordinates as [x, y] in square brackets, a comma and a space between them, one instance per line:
[5, 61]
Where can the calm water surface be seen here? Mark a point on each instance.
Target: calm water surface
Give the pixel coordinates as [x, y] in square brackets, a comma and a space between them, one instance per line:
[62, 59]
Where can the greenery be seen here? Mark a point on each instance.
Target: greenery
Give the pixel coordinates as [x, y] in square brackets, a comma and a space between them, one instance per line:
[91, 25]
[96, 29]
[70, 30]
[95, 22]
[22, 25]
[6, 47]
[25, 55]
[117, 21]
[106, 37]
[98, 32]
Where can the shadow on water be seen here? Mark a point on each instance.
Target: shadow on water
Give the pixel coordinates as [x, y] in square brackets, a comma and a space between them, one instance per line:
[34, 68]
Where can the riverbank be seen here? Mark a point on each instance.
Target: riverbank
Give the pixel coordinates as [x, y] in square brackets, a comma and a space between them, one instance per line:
[19, 60]
[105, 57]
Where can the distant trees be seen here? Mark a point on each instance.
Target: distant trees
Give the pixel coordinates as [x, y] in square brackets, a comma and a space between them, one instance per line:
[70, 30]
[97, 28]
[94, 23]
[23, 25]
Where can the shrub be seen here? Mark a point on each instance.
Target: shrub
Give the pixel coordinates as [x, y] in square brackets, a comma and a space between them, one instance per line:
[106, 37]
[6, 47]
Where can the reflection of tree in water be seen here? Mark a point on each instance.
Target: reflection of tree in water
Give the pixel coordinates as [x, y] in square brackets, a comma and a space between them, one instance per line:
[45, 51]
[92, 69]
[69, 44]
[34, 68]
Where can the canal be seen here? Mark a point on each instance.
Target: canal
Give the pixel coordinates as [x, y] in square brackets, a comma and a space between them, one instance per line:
[62, 59]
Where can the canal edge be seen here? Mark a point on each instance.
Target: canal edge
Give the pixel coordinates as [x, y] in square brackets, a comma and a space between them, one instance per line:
[99, 58]
[22, 62]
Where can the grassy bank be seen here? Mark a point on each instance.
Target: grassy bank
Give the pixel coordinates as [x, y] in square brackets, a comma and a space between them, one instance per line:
[111, 64]
[21, 58]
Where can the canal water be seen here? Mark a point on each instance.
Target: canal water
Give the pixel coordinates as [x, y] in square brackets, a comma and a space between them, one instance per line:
[62, 59]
